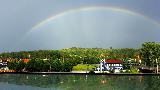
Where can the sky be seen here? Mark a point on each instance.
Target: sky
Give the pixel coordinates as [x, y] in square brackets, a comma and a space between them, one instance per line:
[58, 24]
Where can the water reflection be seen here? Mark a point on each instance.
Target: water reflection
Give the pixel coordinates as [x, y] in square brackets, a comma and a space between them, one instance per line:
[77, 82]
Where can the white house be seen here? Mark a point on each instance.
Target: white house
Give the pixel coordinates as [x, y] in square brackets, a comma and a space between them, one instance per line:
[110, 64]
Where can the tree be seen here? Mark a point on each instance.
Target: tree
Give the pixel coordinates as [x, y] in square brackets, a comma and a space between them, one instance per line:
[16, 65]
[20, 66]
[12, 65]
[31, 67]
[56, 65]
[150, 53]
[67, 66]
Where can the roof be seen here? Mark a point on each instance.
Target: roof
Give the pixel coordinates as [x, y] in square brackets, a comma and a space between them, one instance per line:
[114, 61]
[25, 60]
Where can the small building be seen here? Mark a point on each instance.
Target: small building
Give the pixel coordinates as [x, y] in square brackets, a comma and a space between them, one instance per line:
[110, 64]
[3, 62]
[25, 60]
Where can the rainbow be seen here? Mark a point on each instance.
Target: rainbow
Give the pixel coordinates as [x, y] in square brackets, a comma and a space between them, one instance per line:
[88, 8]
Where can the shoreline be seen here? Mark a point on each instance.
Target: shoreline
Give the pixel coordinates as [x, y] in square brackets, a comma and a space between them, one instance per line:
[71, 73]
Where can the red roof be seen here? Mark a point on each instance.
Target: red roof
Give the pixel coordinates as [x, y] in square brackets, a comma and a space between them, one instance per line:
[113, 61]
[25, 60]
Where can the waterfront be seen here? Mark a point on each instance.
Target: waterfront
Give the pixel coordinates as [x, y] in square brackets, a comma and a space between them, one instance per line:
[78, 82]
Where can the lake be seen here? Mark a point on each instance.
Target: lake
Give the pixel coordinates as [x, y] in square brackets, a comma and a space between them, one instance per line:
[78, 82]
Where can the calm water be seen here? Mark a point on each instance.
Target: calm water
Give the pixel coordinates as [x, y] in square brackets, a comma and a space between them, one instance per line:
[77, 82]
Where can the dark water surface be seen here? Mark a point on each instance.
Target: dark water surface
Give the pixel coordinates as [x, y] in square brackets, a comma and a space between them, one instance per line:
[78, 82]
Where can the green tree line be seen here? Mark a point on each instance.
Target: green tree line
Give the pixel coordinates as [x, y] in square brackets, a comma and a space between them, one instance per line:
[65, 59]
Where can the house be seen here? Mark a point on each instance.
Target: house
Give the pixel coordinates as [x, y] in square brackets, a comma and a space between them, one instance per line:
[25, 60]
[3, 62]
[110, 64]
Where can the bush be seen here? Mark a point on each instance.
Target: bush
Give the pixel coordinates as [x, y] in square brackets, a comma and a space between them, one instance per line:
[83, 67]
[133, 70]
[91, 71]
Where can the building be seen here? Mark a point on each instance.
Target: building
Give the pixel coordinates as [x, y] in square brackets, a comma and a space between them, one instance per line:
[3, 62]
[110, 64]
[25, 60]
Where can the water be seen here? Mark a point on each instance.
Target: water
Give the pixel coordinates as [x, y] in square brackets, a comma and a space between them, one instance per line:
[77, 82]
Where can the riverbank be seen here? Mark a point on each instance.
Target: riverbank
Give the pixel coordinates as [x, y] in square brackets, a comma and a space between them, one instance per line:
[80, 73]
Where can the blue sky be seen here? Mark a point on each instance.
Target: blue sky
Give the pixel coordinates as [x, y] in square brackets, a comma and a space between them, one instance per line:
[112, 26]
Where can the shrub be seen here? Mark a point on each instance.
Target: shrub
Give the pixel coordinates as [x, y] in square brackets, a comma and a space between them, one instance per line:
[83, 67]
[91, 71]
[134, 70]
